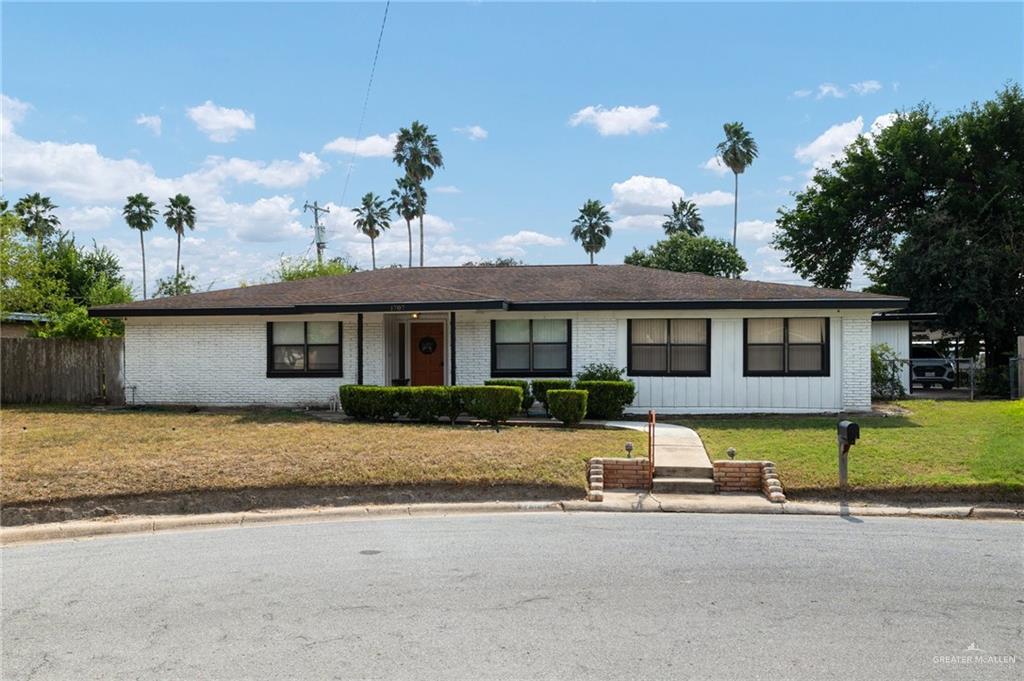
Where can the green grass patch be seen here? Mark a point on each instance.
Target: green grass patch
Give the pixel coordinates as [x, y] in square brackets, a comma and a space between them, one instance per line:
[972, 448]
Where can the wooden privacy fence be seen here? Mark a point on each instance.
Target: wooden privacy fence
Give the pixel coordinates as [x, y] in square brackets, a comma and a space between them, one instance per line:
[61, 370]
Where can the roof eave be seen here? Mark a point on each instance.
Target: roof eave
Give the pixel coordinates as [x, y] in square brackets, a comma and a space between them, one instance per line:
[297, 309]
[560, 306]
[778, 304]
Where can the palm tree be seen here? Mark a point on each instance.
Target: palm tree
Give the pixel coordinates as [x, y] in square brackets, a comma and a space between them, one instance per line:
[592, 227]
[416, 150]
[737, 151]
[37, 218]
[372, 218]
[405, 201]
[140, 213]
[179, 215]
[684, 218]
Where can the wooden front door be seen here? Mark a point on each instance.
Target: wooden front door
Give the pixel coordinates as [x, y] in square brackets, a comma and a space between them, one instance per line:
[426, 349]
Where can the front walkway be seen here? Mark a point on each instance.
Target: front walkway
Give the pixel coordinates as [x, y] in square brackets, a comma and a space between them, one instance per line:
[674, 446]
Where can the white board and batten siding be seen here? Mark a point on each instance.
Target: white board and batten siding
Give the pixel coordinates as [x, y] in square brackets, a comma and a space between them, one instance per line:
[602, 337]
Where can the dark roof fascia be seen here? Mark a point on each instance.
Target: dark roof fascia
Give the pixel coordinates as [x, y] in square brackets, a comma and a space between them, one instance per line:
[297, 309]
[825, 303]
[905, 316]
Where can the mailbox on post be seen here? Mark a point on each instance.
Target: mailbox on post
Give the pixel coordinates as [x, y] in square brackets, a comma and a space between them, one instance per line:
[847, 433]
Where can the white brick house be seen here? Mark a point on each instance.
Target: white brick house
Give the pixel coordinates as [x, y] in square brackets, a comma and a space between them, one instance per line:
[691, 343]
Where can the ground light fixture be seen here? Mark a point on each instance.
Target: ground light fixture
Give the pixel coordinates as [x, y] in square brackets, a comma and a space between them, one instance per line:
[629, 450]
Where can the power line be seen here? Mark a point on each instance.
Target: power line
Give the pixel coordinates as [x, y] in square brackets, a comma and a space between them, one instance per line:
[366, 101]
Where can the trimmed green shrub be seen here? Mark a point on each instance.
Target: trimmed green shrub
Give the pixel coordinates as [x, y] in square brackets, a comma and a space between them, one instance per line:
[568, 406]
[607, 399]
[426, 403]
[493, 403]
[541, 386]
[371, 402]
[522, 385]
[598, 371]
[454, 406]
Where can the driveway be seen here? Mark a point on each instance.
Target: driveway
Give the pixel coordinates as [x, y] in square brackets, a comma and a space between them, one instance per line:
[524, 596]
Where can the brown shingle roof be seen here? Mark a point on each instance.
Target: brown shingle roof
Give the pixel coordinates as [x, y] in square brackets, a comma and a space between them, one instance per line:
[555, 287]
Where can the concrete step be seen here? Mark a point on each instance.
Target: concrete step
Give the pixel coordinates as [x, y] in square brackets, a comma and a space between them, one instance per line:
[684, 485]
[684, 472]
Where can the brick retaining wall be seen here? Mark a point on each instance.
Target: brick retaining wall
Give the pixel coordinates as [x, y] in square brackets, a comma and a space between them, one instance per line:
[616, 473]
[748, 476]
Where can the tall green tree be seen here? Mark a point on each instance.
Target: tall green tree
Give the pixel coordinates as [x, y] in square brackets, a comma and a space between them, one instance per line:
[592, 227]
[293, 269]
[407, 203]
[37, 218]
[140, 213]
[181, 284]
[180, 214]
[373, 217]
[685, 218]
[417, 152]
[737, 151]
[60, 282]
[933, 207]
[682, 252]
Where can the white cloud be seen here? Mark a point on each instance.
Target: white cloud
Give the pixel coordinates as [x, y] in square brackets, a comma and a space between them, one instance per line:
[830, 90]
[274, 218]
[639, 222]
[515, 244]
[80, 172]
[219, 123]
[447, 189]
[12, 112]
[715, 165]
[473, 132]
[642, 195]
[866, 87]
[801, 94]
[711, 199]
[153, 123]
[87, 218]
[881, 123]
[829, 145]
[620, 120]
[273, 174]
[755, 230]
[367, 147]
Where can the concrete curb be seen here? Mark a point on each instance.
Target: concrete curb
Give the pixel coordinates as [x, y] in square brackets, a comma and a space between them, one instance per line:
[620, 503]
[80, 529]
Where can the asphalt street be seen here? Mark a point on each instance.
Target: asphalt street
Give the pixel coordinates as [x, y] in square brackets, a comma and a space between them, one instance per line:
[524, 596]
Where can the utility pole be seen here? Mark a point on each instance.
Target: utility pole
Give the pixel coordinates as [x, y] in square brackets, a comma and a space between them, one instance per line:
[319, 233]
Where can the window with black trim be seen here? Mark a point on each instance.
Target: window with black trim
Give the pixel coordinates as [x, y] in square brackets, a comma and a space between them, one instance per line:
[669, 347]
[531, 347]
[797, 346]
[303, 349]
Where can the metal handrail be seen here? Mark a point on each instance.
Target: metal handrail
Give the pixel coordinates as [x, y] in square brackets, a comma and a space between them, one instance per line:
[652, 419]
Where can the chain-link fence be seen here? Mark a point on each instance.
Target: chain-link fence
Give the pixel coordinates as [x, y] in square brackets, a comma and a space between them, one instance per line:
[1016, 378]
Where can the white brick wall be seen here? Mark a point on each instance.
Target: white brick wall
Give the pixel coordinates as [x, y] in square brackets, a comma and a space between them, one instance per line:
[222, 360]
[856, 347]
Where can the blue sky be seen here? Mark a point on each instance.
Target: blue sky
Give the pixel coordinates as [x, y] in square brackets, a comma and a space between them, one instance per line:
[253, 109]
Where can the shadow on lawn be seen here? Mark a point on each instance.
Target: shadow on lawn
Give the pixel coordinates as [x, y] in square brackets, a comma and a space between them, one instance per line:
[783, 422]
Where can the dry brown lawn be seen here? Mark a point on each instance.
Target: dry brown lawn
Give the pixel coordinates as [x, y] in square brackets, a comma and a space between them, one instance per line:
[55, 453]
